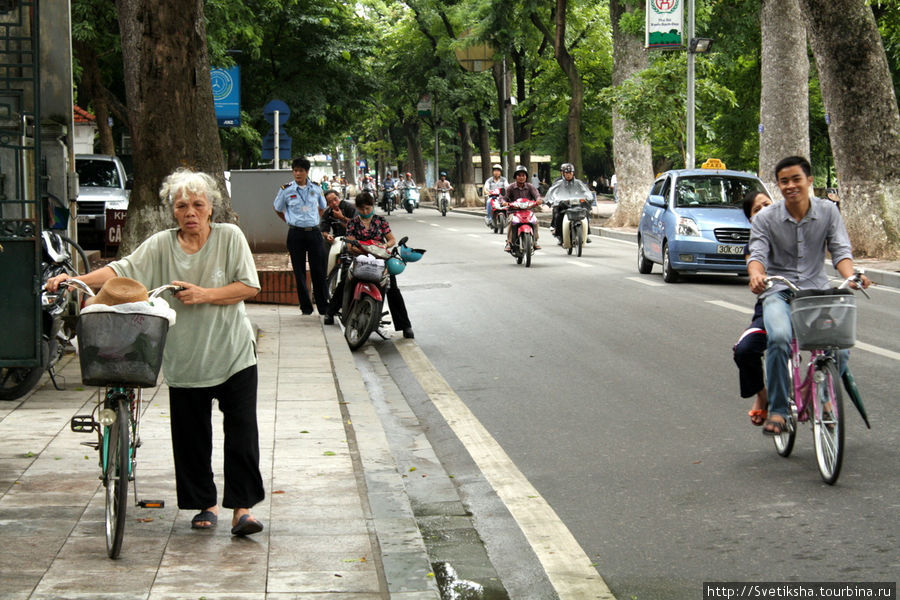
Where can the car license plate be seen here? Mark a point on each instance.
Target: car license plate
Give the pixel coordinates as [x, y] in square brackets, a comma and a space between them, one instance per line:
[730, 249]
[84, 218]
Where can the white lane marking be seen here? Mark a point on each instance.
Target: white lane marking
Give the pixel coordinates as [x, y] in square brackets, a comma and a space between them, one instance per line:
[434, 224]
[579, 263]
[883, 288]
[474, 235]
[859, 345]
[421, 221]
[613, 239]
[877, 350]
[730, 306]
[454, 229]
[649, 282]
[568, 567]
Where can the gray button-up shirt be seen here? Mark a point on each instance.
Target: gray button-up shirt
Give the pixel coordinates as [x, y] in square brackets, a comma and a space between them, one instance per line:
[796, 250]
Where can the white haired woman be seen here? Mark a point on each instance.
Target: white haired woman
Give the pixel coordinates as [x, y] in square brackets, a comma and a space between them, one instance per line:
[210, 352]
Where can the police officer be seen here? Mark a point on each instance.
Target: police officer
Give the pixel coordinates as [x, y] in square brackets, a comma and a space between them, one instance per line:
[300, 204]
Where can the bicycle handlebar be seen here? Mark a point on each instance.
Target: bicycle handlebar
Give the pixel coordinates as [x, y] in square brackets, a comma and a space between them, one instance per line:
[83, 287]
[855, 278]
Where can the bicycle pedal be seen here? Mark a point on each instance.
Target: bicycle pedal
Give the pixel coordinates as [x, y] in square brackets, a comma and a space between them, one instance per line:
[84, 424]
[152, 503]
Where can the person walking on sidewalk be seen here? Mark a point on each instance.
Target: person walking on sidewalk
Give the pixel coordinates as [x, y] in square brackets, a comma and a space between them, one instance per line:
[300, 204]
[211, 351]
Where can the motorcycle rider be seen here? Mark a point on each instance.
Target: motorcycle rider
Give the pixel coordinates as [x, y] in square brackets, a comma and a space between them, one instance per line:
[336, 216]
[442, 183]
[516, 191]
[407, 183]
[387, 186]
[567, 187]
[366, 226]
[495, 183]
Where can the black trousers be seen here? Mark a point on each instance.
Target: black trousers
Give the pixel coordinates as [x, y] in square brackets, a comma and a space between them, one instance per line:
[299, 244]
[191, 423]
[395, 301]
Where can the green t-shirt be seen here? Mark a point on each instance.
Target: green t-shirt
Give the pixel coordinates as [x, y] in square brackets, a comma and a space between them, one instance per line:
[208, 343]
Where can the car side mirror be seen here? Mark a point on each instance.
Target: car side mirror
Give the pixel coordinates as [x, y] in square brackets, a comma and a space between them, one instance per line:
[657, 201]
[129, 183]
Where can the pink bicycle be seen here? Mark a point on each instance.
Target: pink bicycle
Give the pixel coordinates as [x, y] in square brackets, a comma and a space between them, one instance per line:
[824, 321]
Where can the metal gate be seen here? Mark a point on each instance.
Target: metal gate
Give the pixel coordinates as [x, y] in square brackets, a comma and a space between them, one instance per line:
[20, 206]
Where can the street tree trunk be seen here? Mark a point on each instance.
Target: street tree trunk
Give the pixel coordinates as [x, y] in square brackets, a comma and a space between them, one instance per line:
[507, 161]
[784, 102]
[633, 158]
[864, 122]
[93, 91]
[566, 62]
[170, 105]
[414, 161]
[466, 189]
[525, 121]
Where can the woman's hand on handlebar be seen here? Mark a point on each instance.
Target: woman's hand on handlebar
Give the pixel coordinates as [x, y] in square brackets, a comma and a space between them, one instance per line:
[52, 284]
[190, 293]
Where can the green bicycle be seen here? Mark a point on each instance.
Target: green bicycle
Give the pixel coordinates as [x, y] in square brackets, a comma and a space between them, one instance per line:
[121, 353]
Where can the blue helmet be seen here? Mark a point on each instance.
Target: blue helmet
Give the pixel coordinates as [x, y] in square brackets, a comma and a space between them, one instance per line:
[395, 266]
[410, 254]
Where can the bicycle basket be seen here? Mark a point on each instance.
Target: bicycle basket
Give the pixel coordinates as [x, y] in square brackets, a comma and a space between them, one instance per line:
[121, 348]
[366, 268]
[824, 319]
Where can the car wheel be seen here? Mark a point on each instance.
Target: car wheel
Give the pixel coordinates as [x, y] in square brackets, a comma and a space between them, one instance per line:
[644, 265]
[670, 275]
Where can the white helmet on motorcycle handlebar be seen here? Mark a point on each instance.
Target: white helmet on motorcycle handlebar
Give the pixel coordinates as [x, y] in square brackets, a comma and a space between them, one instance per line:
[520, 169]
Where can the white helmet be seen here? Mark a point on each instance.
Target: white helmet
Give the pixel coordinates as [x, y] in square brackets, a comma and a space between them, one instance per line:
[497, 167]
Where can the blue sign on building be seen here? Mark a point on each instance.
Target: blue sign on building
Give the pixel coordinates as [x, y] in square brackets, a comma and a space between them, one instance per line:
[226, 87]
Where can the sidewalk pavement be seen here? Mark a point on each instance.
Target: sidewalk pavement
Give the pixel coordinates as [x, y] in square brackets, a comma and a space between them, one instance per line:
[338, 521]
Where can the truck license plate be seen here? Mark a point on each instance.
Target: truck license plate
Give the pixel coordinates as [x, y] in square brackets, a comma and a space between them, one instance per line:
[730, 249]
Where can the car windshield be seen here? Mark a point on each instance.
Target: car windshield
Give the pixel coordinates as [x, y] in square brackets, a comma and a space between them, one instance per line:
[717, 191]
[98, 173]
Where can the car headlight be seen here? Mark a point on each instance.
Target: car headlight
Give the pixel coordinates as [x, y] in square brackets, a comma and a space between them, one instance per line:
[687, 226]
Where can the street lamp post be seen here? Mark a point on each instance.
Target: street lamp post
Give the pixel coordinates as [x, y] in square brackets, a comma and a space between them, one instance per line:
[695, 46]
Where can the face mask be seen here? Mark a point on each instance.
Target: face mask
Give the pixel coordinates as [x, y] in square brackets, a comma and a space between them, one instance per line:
[366, 215]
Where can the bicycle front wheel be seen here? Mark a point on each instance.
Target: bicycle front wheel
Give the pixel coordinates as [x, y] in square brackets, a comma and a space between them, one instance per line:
[828, 423]
[115, 475]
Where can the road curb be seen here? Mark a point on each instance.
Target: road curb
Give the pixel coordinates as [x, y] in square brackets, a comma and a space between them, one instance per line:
[405, 560]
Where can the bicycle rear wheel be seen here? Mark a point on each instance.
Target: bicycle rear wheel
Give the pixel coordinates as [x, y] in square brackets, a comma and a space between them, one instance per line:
[828, 425]
[116, 445]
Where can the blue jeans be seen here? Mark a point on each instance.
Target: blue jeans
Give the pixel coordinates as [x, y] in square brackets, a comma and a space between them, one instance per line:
[777, 319]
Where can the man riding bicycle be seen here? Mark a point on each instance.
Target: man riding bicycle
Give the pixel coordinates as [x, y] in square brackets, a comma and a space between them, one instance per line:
[790, 239]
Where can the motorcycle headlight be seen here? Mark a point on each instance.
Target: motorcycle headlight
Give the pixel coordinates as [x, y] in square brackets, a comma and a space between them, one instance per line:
[687, 226]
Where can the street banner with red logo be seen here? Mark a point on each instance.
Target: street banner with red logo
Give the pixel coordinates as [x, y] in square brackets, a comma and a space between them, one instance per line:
[664, 30]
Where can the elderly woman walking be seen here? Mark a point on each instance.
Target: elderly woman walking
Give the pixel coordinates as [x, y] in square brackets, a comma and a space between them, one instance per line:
[210, 352]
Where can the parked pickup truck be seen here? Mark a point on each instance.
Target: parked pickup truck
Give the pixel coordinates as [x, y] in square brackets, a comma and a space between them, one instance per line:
[102, 185]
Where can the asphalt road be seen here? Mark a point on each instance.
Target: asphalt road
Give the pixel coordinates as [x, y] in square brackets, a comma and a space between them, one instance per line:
[616, 395]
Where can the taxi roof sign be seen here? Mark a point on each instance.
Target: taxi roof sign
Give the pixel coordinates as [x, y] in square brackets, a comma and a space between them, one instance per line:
[713, 163]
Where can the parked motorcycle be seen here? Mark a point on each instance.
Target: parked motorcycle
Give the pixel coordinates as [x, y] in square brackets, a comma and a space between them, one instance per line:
[524, 225]
[410, 198]
[498, 212]
[368, 279]
[443, 201]
[59, 313]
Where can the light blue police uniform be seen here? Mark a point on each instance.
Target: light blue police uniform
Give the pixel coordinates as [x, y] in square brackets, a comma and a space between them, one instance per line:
[300, 205]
